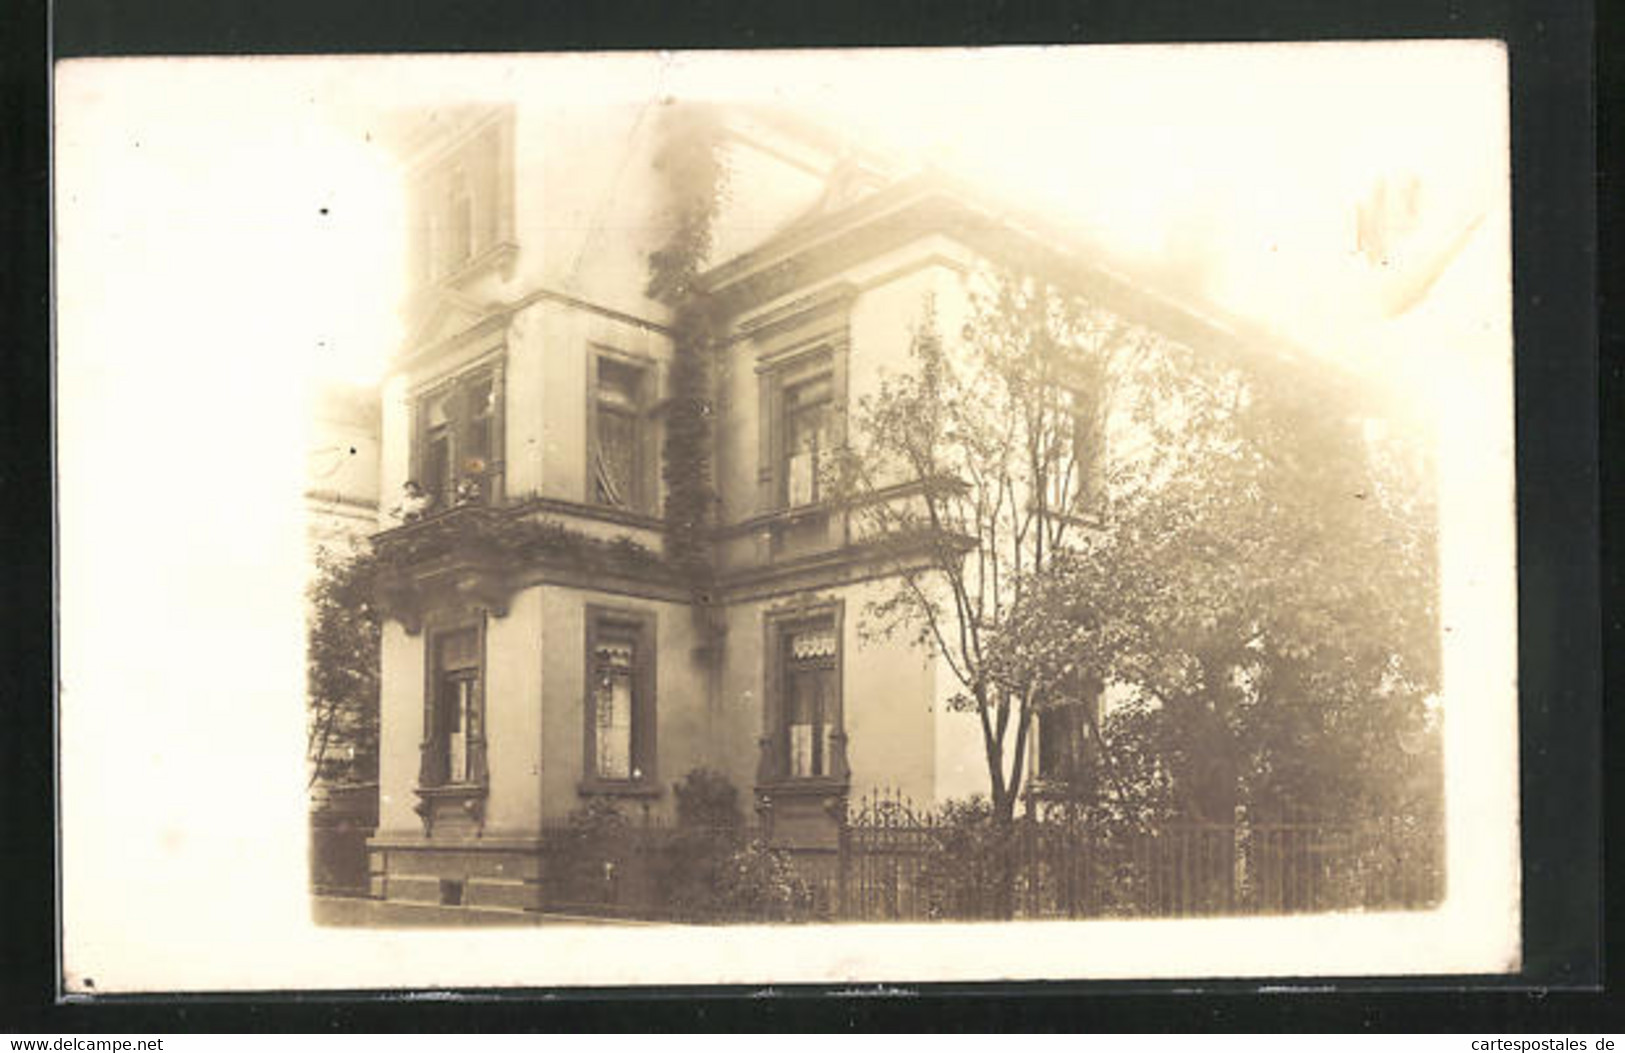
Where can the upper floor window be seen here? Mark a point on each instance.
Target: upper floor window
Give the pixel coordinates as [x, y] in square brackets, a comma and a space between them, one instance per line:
[459, 447]
[1074, 460]
[454, 741]
[799, 419]
[618, 442]
[620, 703]
[461, 203]
[806, 438]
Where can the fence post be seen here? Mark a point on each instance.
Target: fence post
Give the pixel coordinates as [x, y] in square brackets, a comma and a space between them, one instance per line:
[843, 863]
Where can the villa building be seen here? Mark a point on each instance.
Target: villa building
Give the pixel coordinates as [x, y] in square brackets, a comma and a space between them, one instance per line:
[538, 652]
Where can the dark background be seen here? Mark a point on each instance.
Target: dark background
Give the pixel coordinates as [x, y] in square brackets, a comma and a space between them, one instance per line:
[1555, 64]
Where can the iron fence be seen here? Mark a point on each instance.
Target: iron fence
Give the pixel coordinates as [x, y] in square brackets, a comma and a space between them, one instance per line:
[900, 864]
[894, 862]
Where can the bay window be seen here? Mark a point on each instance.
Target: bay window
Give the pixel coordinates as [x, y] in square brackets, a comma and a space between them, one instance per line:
[459, 449]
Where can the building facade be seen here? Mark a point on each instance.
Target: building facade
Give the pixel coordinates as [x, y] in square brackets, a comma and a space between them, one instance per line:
[538, 653]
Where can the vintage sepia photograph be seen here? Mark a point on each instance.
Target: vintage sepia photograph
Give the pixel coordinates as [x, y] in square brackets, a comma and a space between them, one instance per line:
[1028, 496]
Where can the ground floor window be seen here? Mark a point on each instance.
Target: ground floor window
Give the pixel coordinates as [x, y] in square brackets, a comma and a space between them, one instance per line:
[810, 700]
[804, 712]
[1064, 733]
[1059, 743]
[454, 718]
[620, 702]
[612, 701]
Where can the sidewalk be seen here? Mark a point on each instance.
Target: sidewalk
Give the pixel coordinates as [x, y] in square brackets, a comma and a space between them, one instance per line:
[356, 912]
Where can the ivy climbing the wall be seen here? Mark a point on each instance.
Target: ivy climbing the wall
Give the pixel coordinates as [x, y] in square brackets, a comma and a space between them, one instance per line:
[688, 161]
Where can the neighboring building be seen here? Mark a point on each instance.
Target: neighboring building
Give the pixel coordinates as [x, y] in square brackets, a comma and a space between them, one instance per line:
[533, 388]
[341, 470]
[341, 505]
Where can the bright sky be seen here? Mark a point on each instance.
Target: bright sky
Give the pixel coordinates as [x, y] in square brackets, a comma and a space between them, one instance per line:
[1237, 169]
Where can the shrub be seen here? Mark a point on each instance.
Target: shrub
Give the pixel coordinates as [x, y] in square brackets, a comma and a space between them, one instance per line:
[707, 799]
[593, 853]
[758, 883]
[709, 829]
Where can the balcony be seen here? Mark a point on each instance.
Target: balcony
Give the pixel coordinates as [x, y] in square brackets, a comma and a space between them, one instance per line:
[476, 553]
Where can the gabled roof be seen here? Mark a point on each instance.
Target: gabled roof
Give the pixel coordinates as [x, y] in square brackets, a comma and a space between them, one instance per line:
[846, 228]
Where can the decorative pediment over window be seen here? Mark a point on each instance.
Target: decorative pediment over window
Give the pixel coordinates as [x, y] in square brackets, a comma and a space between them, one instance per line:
[441, 315]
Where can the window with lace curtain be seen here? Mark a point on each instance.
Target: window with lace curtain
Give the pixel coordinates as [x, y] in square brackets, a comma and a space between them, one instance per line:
[620, 702]
[805, 737]
[811, 700]
[617, 442]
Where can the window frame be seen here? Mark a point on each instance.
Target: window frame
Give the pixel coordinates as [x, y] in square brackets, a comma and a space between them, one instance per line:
[435, 748]
[641, 626]
[459, 389]
[792, 411]
[461, 197]
[644, 460]
[778, 374]
[1080, 734]
[1088, 432]
[779, 628]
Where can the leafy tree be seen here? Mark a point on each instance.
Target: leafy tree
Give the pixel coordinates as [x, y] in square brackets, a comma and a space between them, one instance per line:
[1257, 599]
[342, 671]
[1263, 604]
[982, 465]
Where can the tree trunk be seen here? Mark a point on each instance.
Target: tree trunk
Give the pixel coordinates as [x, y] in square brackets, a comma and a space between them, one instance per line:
[1002, 897]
